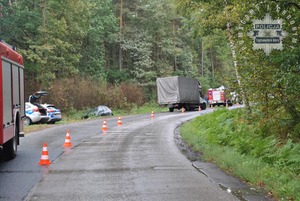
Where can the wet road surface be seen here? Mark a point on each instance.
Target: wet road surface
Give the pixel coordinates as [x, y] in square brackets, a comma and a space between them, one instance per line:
[136, 161]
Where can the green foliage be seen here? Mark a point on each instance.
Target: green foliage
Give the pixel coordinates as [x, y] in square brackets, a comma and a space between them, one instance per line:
[60, 40]
[230, 140]
[271, 82]
[101, 31]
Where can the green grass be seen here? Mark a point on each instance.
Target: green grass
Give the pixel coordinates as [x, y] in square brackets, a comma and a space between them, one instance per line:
[227, 139]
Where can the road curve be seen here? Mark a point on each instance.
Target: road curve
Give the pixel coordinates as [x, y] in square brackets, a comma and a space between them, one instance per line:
[136, 161]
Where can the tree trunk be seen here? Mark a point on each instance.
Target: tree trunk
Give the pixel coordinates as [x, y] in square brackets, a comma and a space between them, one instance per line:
[45, 39]
[233, 52]
[212, 65]
[174, 46]
[202, 59]
[44, 20]
[121, 29]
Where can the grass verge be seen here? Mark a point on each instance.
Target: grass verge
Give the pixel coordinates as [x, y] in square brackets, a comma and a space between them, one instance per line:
[227, 139]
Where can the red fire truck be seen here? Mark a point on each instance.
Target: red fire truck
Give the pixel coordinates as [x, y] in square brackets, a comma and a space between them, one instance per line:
[216, 97]
[12, 101]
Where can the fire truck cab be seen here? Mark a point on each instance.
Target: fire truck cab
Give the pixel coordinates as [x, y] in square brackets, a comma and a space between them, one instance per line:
[12, 101]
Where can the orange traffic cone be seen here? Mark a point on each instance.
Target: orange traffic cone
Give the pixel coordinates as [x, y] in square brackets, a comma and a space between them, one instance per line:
[104, 127]
[152, 114]
[119, 121]
[45, 157]
[68, 142]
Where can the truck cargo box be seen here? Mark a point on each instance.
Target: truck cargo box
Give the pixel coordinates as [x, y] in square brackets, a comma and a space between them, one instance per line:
[177, 89]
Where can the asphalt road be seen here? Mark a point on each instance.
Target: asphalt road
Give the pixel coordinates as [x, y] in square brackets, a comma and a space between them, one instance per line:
[136, 161]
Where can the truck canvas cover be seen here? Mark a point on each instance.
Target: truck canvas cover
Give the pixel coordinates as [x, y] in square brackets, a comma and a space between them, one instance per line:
[177, 90]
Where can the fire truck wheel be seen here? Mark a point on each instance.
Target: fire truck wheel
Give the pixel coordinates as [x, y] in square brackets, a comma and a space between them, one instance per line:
[10, 147]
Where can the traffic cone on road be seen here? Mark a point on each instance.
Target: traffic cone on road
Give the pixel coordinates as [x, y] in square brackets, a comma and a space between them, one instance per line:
[104, 127]
[45, 157]
[152, 114]
[119, 121]
[68, 142]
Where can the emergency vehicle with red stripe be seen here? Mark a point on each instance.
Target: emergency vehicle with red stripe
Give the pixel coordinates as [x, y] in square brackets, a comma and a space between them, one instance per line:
[216, 97]
[12, 100]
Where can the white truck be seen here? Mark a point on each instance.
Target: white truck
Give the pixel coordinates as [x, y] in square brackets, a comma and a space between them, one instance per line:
[12, 104]
[180, 92]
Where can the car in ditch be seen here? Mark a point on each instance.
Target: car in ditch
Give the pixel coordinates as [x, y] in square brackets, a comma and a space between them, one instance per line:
[100, 110]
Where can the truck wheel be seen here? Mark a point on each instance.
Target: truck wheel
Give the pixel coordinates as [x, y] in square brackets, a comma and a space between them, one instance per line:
[203, 106]
[171, 109]
[187, 108]
[10, 147]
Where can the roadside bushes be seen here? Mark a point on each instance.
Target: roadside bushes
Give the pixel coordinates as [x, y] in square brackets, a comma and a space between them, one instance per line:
[235, 142]
[82, 93]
